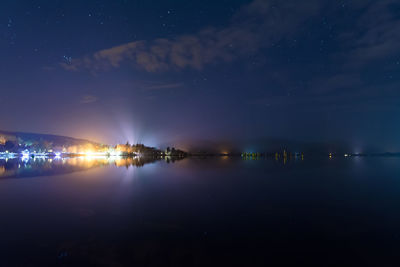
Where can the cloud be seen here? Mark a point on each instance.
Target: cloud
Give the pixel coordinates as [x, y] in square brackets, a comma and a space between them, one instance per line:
[254, 27]
[87, 99]
[344, 81]
[161, 86]
[377, 34]
[373, 36]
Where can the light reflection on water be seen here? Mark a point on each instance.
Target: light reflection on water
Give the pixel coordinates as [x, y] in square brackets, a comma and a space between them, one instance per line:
[199, 211]
[41, 166]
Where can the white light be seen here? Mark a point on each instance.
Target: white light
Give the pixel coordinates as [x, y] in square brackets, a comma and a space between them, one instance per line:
[114, 153]
[25, 154]
[25, 157]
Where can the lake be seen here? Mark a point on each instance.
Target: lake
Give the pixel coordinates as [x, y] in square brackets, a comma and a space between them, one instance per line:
[200, 212]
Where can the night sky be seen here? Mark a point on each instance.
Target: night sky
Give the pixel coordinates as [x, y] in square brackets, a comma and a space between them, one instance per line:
[172, 71]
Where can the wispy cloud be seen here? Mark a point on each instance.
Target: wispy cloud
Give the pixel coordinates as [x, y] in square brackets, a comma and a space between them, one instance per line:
[377, 35]
[254, 27]
[340, 81]
[368, 40]
[87, 99]
[161, 86]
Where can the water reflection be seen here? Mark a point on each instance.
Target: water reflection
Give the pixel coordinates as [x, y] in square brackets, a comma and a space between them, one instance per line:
[200, 210]
[42, 166]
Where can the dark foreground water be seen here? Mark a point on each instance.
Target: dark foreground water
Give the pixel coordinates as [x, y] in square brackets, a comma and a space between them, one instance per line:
[200, 212]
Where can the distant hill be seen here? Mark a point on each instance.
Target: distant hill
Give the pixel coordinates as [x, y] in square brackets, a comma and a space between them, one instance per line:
[261, 145]
[28, 139]
[17, 142]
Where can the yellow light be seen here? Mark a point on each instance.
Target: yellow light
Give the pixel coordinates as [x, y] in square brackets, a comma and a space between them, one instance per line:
[89, 153]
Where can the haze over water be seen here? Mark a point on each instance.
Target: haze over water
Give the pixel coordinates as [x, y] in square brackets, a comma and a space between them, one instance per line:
[199, 212]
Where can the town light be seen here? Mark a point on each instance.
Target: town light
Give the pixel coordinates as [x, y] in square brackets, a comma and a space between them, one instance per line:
[25, 153]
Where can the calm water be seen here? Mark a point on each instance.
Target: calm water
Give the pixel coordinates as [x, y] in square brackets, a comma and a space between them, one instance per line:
[200, 212]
